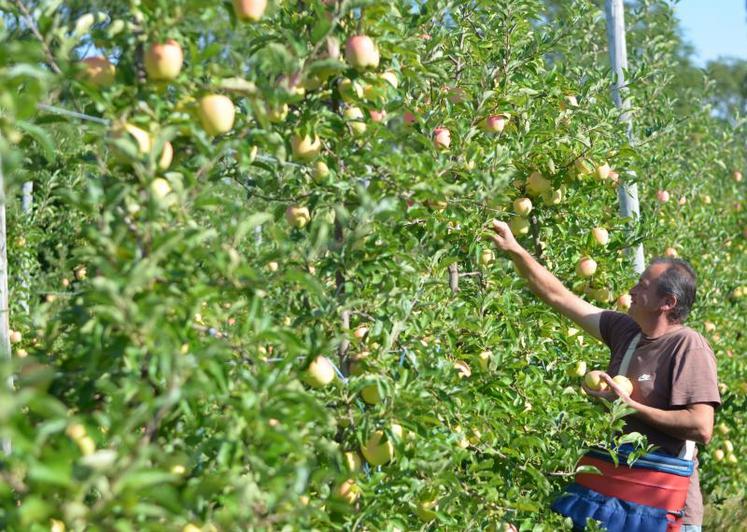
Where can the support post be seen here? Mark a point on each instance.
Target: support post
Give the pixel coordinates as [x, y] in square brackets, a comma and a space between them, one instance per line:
[627, 193]
[4, 308]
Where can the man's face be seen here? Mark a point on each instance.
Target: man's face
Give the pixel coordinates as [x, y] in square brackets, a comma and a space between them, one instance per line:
[644, 299]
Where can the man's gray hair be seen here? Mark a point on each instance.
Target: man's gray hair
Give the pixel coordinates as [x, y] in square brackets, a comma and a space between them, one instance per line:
[678, 280]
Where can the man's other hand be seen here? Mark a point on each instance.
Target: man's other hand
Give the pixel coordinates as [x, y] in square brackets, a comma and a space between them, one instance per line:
[503, 238]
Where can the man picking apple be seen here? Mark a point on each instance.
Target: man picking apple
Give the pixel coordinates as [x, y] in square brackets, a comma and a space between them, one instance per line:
[671, 366]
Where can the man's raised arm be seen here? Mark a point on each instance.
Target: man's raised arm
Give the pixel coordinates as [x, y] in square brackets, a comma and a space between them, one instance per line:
[545, 285]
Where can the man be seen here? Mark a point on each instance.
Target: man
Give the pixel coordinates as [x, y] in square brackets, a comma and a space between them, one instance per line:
[673, 368]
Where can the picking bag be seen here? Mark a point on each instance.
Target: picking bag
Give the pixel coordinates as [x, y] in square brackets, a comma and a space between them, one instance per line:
[648, 496]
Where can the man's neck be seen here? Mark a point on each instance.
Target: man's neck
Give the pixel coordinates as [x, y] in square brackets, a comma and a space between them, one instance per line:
[659, 328]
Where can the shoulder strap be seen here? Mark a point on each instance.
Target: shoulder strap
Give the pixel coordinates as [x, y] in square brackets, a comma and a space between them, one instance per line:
[628, 355]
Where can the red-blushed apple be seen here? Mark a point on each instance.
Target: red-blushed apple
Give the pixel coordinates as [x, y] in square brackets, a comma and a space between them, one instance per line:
[623, 382]
[602, 171]
[495, 123]
[216, 113]
[361, 52]
[377, 116]
[614, 177]
[15, 337]
[409, 118]
[536, 184]
[519, 225]
[348, 491]
[594, 381]
[601, 236]
[441, 138]
[670, 252]
[249, 10]
[737, 176]
[305, 148]
[297, 216]
[487, 257]
[353, 116]
[624, 301]
[320, 372]
[360, 332]
[163, 61]
[99, 71]
[523, 206]
[662, 196]
[586, 267]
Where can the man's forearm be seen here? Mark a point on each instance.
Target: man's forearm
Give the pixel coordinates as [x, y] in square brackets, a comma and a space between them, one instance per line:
[681, 424]
[543, 283]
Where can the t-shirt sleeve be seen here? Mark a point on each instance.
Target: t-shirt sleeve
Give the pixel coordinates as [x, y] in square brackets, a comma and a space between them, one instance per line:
[614, 327]
[694, 378]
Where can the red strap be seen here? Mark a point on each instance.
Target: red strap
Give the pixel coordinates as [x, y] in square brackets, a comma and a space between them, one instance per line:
[641, 486]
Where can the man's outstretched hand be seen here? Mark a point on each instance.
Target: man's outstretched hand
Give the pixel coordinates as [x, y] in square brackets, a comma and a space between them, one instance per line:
[503, 238]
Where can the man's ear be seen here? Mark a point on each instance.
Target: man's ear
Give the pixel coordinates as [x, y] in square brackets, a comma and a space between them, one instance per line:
[668, 302]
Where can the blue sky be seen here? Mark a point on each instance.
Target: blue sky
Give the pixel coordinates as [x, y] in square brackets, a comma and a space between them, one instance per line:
[715, 27]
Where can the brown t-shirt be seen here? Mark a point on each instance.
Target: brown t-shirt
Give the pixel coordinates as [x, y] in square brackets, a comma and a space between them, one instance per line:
[667, 372]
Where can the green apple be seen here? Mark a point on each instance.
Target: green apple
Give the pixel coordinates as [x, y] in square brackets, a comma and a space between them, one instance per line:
[320, 372]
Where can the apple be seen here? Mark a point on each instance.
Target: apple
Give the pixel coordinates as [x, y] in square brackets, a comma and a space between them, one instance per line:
[487, 257]
[463, 369]
[600, 295]
[594, 381]
[709, 326]
[370, 394]
[553, 197]
[350, 90]
[729, 446]
[361, 52]
[216, 113]
[670, 252]
[80, 273]
[737, 176]
[160, 188]
[377, 116]
[305, 148]
[378, 452]
[662, 196]
[579, 370]
[623, 382]
[360, 333]
[614, 177]
[249, 10]
[167, 155]
[353, 116]
[485, 357]
[348, 491]
[86, 445]
[601, 236]
[320, 171]
[718, 455]
[409, 118]
[568, 101]
[297, 216]
[586, 267]
[536, 184]
[320, 372]
[98, 71]
[273, 266]
[276, 113]
[519, 225]
[441, 138]
[583, 167]
[22, 353]
[682, 201]
[624, 301]
[163, 61]
[426, 510]
[390, 77]
[352, 461]
[706, 199]
[523, 206]
[602, 171]
[495, 123]
[15, 337]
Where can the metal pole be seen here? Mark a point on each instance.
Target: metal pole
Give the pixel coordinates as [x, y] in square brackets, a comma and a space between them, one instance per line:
[4, 325]
[26, 204]
[627, 193]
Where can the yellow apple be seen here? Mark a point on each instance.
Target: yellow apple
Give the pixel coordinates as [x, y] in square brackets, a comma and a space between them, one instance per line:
[601, 236]
[348, 491]
[350, 90]
[718, 455]
[376, 451]
[15, 337]
[390, 77]
[536, 184]
[80, 273]
[523, 206]
[487, 257]
[623, 382]
[249, 10]
[353, 116]
[579, 370]
[167, 155]
[709, 326]
[737, 176]
[463, 369]
[320, 171]
[426, 510]
[670, 252]
[160, 189]
[56, 525]
[361, 52]
[553, 197]
[594, 381]
[586, 267]
[602, 171]
[320, 372]
[729, 446]
[305, 148]
[485, 357]
[190, 527]
[163, 61]
[352, 461]
[731, 458]
[98, 71]
[216, 113]
[370, 394]
[297, 216]
[568, 101]
[519, 225]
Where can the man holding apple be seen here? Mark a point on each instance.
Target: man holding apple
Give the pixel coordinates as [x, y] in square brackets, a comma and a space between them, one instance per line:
[672, 367]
